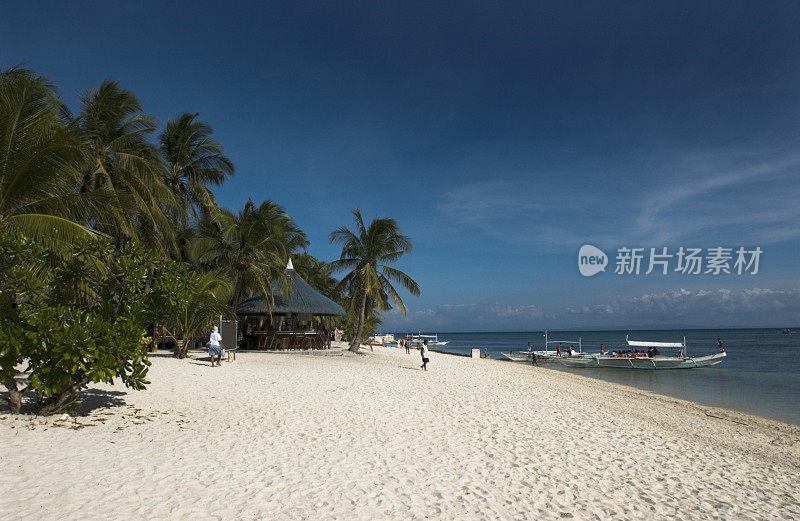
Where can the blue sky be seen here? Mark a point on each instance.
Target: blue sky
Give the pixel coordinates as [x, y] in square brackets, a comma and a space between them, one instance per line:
[501, 136]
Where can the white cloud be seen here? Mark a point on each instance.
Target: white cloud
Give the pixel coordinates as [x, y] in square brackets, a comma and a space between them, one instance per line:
[696, 308]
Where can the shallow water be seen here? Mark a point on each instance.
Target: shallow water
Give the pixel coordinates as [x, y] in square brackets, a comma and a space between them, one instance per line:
[760, 375]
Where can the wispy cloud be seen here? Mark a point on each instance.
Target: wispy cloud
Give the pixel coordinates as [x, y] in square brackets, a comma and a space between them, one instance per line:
[756, 194]
[528, 212]
[751, 198]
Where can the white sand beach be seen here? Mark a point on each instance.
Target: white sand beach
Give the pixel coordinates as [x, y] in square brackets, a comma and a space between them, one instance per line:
[287, 436]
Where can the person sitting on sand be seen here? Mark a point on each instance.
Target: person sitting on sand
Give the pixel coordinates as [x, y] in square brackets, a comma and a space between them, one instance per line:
[423, 349]
[215, 347]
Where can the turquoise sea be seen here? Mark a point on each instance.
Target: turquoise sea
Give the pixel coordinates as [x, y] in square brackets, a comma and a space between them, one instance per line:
[761, 374]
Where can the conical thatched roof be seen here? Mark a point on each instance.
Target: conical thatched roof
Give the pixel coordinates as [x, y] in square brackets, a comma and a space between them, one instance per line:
[303, 300]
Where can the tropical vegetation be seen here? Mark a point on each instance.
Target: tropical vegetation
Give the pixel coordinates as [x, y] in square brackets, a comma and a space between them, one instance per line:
[366, 254]
[78, 321]
[111, 235]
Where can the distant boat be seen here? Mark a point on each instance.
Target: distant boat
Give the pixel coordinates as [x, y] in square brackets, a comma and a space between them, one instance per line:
[433, 340]
[787, 331]
[636, 358]
[548, 355]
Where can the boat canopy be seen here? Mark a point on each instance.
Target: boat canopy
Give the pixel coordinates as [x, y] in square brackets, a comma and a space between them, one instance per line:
[636, 343]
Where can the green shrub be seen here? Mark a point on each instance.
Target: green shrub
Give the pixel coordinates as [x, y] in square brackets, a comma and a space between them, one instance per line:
[71, 321]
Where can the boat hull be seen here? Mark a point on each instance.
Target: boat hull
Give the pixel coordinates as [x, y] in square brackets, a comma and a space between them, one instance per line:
[542, 357]
[656, 362]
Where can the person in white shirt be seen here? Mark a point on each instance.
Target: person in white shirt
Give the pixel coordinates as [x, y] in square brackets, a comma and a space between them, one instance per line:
[423, 349]
[215, 347]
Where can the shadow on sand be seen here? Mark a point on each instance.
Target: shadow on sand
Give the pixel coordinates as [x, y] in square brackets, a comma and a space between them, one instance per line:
[98, 399]
[91, 399]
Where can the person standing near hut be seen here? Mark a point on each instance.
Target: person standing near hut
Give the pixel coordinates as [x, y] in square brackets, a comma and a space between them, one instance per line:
[249, 340]
[215, 347]
[423, 349]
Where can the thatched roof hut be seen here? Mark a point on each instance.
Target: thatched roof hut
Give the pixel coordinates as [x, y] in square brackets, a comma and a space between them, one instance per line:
[303, 300]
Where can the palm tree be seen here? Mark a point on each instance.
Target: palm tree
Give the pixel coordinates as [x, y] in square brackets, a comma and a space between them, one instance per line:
[366, 252]
[252, 246]
[124, 163]
[188, 302]
[41, 157]
[318, 274]
[194, 160]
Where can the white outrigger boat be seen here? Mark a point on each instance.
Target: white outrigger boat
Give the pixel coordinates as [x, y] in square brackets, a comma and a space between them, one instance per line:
[433, 340]
[637, 358]
[547, 355]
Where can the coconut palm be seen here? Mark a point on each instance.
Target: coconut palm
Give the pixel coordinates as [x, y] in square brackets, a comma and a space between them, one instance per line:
[194, 161]
[41, 157]
[123, 162]
[318, 274]
[251, 246]
[188, 303]
[366, 252]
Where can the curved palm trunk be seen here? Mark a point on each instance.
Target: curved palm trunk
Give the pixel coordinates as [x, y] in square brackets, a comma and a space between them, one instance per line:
[355, 345]
[237, 291]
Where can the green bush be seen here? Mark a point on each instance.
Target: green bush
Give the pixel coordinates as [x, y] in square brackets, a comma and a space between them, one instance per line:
[71, 321]
[187, 303]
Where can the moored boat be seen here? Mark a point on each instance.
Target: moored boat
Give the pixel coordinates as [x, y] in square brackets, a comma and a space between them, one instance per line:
[636, 357]
[547, 355]
[433, 340]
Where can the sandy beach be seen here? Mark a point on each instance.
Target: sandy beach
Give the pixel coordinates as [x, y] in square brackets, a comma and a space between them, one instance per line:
[287, 436]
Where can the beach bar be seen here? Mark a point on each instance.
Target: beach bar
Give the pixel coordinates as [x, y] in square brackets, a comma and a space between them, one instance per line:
[289, 324]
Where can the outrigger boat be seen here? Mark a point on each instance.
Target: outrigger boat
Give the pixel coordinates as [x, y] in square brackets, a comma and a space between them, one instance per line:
[636, 358]
[548, 356]
[433, 340]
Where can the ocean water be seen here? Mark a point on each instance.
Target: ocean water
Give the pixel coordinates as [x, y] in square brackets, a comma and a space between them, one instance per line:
[760, 375]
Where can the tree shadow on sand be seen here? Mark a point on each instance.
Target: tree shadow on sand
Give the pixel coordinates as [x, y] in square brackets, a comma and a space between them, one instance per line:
[92, 399]
[165, 354]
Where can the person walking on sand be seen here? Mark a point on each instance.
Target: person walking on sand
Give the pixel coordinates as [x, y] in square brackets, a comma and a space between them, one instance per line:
[407, 344]
[215, 347]
[423, 349]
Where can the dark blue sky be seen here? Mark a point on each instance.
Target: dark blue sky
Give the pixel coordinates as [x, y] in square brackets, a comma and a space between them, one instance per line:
[502, 136]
